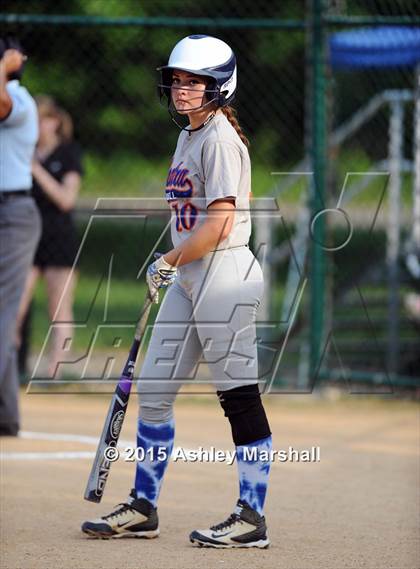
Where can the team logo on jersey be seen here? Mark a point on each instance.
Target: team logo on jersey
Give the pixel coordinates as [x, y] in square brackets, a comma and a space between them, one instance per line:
[178, 185]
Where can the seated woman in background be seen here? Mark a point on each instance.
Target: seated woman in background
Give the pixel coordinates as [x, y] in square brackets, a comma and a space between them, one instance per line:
[57, 172]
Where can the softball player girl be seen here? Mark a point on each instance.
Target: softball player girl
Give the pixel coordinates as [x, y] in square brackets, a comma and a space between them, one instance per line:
[209, 312]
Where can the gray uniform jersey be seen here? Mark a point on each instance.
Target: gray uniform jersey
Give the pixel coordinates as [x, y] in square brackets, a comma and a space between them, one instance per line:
[209, 164]
[208, 315]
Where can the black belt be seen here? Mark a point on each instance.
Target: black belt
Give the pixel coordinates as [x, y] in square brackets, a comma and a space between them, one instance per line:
[15, 194]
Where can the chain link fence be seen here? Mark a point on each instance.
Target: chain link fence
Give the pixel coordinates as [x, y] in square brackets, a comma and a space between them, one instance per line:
[302, 111]
[373, 136]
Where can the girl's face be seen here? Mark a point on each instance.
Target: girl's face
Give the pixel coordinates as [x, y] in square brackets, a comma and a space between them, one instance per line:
[48, 126]
[187, 92]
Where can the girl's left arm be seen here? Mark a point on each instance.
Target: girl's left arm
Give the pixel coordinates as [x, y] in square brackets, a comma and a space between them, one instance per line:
[205, 238]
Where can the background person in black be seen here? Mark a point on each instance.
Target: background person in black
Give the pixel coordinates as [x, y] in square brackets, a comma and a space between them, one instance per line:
[57, 172]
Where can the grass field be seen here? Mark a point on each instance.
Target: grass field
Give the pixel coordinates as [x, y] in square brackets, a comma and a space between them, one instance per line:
[123, 307]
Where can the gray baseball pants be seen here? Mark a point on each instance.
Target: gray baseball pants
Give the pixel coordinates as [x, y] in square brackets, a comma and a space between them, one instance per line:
[20, 229]
[207, 317]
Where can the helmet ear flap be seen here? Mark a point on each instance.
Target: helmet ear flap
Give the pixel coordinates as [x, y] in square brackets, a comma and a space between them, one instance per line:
[214, 89]
[221, 99]
[215, 93]
[223, 102]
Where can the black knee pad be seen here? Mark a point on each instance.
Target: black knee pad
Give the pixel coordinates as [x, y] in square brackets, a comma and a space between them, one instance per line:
[244, 409]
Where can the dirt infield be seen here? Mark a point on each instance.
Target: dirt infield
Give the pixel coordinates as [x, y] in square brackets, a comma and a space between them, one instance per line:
[356, 507]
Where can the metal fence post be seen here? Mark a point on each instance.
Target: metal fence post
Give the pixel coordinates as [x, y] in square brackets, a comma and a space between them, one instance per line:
[316, 198]
[416, 189]
[393, 231]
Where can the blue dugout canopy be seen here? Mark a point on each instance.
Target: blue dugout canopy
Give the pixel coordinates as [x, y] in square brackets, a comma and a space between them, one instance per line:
[383, 46]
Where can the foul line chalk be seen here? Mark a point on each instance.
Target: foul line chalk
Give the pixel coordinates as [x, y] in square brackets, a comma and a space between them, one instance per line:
[60, 455]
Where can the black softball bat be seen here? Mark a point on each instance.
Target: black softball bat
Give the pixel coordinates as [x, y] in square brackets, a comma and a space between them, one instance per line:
[116, 414]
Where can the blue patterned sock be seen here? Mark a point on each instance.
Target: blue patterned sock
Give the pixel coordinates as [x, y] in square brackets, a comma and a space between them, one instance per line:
[253, 472]
[157, 441]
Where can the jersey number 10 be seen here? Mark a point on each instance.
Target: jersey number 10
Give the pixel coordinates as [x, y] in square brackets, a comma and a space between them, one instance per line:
[186, 216]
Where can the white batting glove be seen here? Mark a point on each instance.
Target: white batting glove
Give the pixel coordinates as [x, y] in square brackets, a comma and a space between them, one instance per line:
[160, 274]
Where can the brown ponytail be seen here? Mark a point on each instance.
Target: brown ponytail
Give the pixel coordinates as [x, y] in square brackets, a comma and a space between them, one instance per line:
[230, 114]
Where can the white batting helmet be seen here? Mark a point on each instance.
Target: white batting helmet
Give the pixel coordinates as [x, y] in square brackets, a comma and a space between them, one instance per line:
[206, 56]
